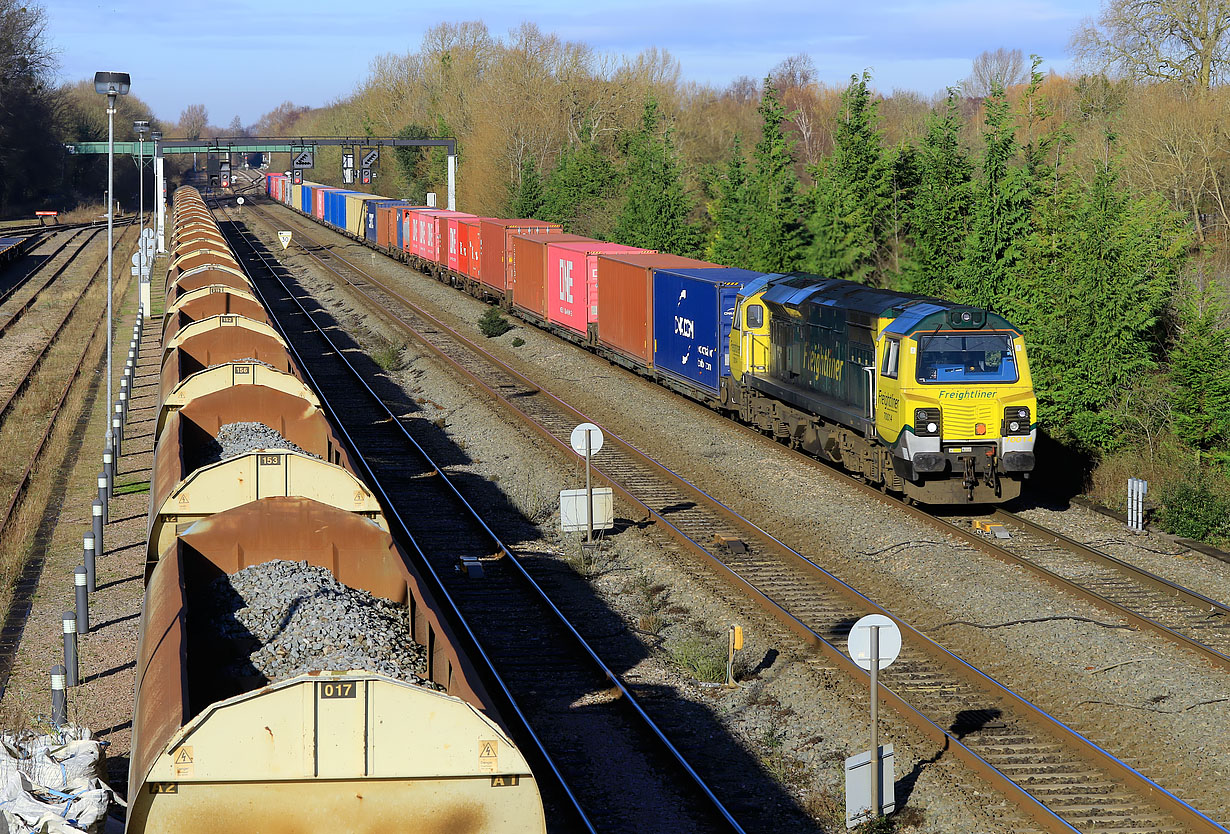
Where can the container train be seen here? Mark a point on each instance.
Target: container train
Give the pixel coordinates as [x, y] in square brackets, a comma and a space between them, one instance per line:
[219, 750]
[922, 397]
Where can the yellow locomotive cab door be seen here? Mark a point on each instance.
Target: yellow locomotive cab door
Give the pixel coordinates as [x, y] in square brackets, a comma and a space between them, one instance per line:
[752, 324]
[889, 413]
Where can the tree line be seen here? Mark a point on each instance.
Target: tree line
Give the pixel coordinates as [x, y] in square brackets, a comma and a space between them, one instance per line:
[1088, 209]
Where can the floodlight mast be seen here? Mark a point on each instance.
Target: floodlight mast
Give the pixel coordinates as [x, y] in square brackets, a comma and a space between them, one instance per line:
[142, 128]
[111, 85]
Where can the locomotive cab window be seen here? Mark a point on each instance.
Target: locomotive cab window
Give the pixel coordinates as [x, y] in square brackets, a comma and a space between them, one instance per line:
[755, 316]
[892, 349]
[985, 357]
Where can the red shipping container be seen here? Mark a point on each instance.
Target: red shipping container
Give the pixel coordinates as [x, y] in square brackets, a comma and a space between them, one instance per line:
[318, 202]
[473, 239]
[527, 282]
[454, 237]
[383, 216]
[625, 301]
[572, 281]
[494, 255]
[432, 237]
[411, 228]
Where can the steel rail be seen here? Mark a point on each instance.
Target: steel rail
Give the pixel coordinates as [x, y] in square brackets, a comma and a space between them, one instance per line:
[23, 280]
[1042, 814]
[626, 695]
[46, 349]
[29, 303]
[27, 582]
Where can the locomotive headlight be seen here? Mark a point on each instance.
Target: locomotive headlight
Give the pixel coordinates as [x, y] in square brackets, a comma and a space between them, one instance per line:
[1016, 420]
[927, 422]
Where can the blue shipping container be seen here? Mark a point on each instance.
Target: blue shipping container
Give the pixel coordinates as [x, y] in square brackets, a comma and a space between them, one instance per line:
[693, 310]
[370, 207]
[305, 201]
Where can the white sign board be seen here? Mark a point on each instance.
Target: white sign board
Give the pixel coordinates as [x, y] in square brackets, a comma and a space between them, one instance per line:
[858, 786]
[239, 200]
[578, 439]
[859, 643]
[574, 510]
[284, 237]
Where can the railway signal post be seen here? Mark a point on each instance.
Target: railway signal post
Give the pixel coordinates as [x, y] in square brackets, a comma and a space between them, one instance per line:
[874, 643]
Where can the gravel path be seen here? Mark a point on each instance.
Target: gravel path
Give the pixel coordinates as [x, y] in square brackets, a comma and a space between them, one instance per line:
[103, 701]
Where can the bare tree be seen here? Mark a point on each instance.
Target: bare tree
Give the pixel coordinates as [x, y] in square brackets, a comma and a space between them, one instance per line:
[1158, 40]
[744, 90]
[794, 72]
[1005, 66]
[28, 105]
[280, 120]
[193, 120]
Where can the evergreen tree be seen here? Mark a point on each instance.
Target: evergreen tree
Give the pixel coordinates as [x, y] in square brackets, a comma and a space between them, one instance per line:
[1199, 375]
[729, 242]
[656, 212]
[579, 191]
[1107, 276]
[526, 196]
[939, 214]
[774, 218]
[1001, 218]
[852, 199]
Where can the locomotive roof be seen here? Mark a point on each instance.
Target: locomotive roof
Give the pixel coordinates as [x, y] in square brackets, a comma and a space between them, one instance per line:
[800, 293]
[796, 289]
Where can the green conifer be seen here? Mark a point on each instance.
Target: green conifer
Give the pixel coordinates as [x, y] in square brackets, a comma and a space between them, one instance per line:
[939, 214]
[774, 218]
[657, 209]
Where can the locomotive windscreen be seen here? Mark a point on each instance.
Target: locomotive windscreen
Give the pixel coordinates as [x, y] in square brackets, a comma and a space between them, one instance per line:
[978, 357]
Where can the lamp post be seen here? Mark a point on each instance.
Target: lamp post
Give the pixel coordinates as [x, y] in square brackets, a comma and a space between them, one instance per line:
[159, 197]
[111, 85]
[141, 126]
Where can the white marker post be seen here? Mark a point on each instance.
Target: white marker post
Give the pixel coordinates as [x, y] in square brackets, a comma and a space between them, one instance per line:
[587, 440]
[874, 643]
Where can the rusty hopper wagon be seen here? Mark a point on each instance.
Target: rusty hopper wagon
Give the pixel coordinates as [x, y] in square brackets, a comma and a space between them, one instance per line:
[350, 751]
[185, 488]
[217, 746]
[229, 374]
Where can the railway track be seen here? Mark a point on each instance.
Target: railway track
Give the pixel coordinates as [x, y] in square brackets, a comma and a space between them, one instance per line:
[551, 677]
[1186, 617]
[32, 369]
[26, 582]
[19, 311]
[1064, 781]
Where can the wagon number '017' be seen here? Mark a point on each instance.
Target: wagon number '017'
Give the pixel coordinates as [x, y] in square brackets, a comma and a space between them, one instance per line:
[341, 689]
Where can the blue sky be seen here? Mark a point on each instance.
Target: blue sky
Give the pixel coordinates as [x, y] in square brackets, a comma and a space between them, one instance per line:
[242, 61]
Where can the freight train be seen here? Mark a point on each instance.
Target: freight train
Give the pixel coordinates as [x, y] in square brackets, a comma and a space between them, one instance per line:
[217, 748]
[925, 398]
